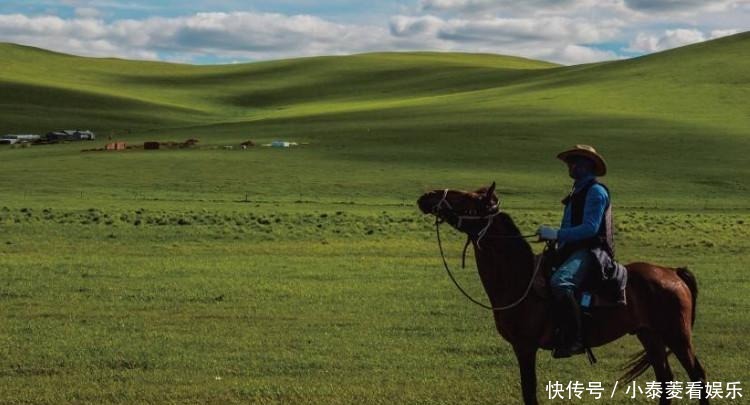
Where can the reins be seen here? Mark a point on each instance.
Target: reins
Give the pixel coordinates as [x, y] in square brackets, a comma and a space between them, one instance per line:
[482, 234]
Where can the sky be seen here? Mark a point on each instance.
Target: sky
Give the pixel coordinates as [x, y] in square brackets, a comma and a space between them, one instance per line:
[231, 31]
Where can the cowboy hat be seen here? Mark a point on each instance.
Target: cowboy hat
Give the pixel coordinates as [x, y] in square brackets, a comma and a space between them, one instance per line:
[600, 167]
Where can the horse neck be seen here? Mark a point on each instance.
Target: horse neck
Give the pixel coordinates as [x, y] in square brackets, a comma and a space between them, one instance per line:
[505, 264]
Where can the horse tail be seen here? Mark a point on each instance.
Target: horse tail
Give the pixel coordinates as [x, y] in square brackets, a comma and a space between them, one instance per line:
[689, 279]
[638, 364]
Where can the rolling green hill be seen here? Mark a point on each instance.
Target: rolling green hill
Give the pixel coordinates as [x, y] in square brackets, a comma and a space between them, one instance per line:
[671, 124]
[120, 91]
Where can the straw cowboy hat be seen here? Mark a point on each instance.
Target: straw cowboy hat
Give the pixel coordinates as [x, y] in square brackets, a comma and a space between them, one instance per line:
[600, 167]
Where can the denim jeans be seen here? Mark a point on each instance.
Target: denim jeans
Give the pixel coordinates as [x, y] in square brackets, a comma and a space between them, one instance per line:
[572, 272]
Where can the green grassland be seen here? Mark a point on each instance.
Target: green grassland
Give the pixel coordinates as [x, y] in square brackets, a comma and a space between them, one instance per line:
[307, 275]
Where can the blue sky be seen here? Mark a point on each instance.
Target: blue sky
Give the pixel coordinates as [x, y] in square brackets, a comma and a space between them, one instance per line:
[227, 31]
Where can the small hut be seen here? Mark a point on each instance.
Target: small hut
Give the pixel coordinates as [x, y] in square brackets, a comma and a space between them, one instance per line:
[190, 143]
[116, 146]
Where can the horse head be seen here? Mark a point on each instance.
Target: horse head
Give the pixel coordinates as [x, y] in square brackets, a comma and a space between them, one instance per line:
[461, 209]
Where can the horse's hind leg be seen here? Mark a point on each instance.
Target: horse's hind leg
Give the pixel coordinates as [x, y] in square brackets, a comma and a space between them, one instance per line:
[683, 350]
[657, 356]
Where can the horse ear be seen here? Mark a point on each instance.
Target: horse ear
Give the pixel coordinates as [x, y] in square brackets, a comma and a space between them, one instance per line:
[490, 191]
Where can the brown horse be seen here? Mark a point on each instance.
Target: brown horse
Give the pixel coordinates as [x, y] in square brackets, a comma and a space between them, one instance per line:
[660, 306]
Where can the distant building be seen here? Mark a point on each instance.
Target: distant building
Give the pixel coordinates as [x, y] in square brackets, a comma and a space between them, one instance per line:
[116, 146]
[70, 135]
[283, 144]
[12, 139]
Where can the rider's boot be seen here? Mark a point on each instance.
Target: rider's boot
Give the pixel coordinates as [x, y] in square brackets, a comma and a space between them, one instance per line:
[571, 341]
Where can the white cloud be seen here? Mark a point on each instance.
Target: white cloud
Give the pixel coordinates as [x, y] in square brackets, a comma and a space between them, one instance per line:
[723, 33]
[236, 35]
[406, 26]
[457, 5]
[675, 5]
[477, 6]
[49, 28]
[513, 29]
[592, 8]
[667, 40]
[648, 43]
[557, 39]
[564, 31]
[244, 35]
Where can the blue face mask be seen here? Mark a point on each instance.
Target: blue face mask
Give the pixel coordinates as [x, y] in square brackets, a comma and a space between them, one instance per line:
[580, 167]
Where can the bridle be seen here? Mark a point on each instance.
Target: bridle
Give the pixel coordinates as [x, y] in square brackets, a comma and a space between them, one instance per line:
[443, 211]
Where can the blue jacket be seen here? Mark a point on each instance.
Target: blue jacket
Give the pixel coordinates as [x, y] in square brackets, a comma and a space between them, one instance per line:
[593, 213]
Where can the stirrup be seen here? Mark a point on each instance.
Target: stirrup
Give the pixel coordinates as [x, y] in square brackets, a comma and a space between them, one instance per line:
[568, 351]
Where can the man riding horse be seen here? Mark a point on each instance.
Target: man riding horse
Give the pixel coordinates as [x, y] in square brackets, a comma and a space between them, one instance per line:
[584, 243]
[661, 301]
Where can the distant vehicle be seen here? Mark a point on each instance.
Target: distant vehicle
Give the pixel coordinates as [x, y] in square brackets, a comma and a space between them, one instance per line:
[70, 135]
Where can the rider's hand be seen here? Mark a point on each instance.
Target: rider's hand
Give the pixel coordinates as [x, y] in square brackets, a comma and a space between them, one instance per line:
[547, 233]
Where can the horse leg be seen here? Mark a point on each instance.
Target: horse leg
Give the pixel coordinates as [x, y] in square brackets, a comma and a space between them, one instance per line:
[684, 352]
[527, 363]
[657, 356]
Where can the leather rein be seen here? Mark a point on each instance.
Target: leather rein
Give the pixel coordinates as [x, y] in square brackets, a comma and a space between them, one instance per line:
[493, 211]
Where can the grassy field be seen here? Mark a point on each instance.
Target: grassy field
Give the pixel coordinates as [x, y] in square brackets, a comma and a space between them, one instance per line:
[325, 306]
[307, 275]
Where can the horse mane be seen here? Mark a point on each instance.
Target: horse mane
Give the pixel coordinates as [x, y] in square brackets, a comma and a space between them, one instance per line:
[522, 252]
[505, 261]
[507, 222]
[519, 244]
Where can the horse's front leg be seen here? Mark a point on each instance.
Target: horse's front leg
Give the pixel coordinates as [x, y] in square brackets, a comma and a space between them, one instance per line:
[527, 363]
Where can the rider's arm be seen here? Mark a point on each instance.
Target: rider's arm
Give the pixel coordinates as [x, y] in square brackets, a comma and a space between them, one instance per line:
[593, 213]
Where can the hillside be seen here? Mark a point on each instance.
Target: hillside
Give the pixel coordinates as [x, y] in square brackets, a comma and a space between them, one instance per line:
[112, 93]
[673, 125]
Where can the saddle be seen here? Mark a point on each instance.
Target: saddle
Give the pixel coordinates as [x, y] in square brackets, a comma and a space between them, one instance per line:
[593, 294]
